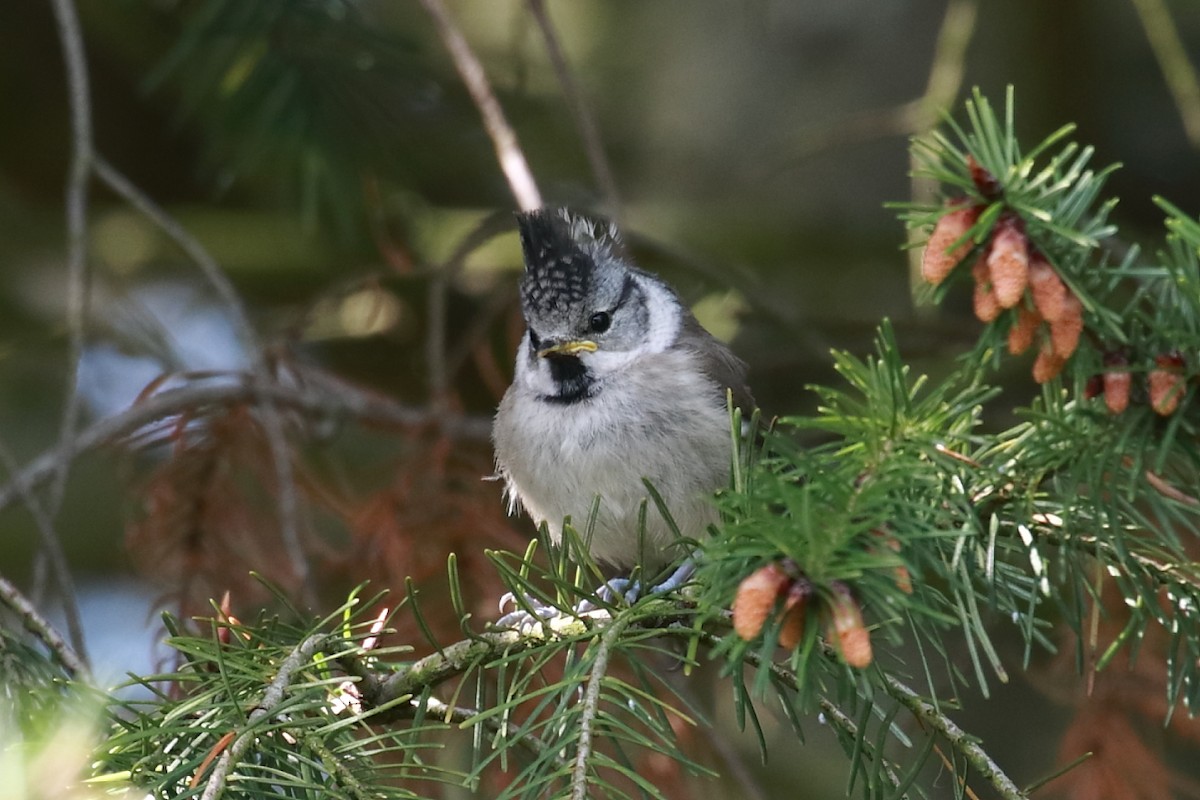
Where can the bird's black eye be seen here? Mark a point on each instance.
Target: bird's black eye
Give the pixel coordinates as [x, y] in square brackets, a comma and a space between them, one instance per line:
[599, 322]
[534, 341]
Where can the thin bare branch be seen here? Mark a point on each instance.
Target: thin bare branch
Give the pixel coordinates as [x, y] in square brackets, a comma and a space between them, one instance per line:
[504, 138]
[76, 201]
[918, 115]
[589, 131]
[949, 62]
[79, 101]
[287, 500]
[321, 395]
[40, 627]
[960, 740]
[53, 553]
[838, 719]
[1180, 74]
[190, 245]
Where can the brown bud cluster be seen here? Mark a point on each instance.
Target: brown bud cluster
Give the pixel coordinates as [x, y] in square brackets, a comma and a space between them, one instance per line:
[900, 573]
[1010, 274]
[845, 628]
[771, 591]
[1117, 383]
[756, 597]
[939, 260]
[1023, 331]
[1166, 383]
[1008, 263]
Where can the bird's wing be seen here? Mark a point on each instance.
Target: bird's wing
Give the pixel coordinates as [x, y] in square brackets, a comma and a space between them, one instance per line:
[718, 362]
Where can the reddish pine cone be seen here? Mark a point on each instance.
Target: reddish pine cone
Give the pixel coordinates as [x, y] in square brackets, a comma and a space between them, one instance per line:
[1048, 364]
[846, 628]
[1023, 331]
[791, 633]
[938, 260]
[1008, 264]
[1166, 384]
[1065, 331]
[986, 306]
[1116, 390]
[756, 597]
[1049, 292]
[1117, 383]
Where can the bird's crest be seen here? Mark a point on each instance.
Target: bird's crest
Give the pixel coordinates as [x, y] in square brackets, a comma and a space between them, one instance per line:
[561, 251]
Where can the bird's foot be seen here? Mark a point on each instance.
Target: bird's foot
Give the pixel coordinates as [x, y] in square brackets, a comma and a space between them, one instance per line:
[525, 614]
[529, 615]
[682, 574]
[613, 592]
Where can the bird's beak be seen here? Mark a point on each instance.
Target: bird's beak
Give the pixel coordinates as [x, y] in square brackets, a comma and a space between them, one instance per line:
[568, 348]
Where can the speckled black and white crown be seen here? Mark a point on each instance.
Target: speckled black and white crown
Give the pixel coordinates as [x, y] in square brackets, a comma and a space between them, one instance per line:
[561, 252]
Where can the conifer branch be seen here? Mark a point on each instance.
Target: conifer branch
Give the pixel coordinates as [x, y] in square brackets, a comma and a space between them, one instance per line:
[41, 627]
[273, 696]
[590, 705]
[960, 740]
[839, 719]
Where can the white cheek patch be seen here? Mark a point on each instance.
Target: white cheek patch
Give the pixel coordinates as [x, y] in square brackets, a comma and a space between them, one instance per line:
[535, 375]
[663, 316]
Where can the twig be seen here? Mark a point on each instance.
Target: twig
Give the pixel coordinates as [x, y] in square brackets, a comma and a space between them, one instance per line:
[589, 131]
[331, 398]
[53, 552]
[953, 770]
[185, 241]
[1179, 73]
[917, 115]
[838, 719]
[435, 339]
[76, 201]
[450, 661]
[272, 697]
[40, 627]
[462, 716]
[504, 139]
[959, 739]
[287, 501]
[924, 712]
[949, 62]
[591, 706]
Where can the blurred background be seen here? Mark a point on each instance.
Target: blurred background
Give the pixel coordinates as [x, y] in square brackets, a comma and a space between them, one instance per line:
[328, 158]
